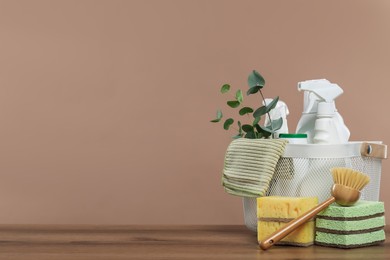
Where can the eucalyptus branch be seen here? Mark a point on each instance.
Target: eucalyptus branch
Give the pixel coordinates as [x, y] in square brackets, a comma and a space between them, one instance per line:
[269, 116]
[251, 130]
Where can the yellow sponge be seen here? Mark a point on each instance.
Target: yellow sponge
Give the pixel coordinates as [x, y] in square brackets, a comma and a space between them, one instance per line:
[274, 212]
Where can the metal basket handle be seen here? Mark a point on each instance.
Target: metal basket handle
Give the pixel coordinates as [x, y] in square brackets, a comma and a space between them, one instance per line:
[374, 150]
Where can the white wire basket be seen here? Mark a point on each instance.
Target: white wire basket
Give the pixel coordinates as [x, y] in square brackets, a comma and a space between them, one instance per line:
[304, 171]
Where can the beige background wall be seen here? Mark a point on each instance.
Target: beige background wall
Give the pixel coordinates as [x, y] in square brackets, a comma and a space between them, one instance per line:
[105, 105]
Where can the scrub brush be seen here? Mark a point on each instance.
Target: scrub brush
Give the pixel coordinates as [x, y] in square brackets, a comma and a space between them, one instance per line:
[346, 191]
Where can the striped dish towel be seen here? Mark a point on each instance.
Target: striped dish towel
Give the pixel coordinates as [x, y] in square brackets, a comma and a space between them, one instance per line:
[250, 165]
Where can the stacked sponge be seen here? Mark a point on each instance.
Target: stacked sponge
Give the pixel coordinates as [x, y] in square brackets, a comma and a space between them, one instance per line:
[349, 227]
[274, 212]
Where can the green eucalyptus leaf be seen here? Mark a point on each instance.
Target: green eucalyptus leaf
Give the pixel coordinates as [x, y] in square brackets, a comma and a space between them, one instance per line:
[272, 104]
[256, 121]
[259, 135]
[253, 90]
[239, 96]
[247, 128]
[219, 116]
[255, 79]
[237, 136]
[245, 110]
[266, 134]
[233, 103]
[263, 129]
[225, 88]
[228, 123]
[239, 128]
[260, 111]
[276, 124]
[250, 135]
[258, 128]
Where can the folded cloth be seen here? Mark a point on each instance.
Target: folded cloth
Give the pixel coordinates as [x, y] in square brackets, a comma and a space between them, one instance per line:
[250, 165]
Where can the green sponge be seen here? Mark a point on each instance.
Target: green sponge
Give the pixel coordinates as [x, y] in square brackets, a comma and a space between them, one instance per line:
[351, 240]
[361, 209]
[348, 227]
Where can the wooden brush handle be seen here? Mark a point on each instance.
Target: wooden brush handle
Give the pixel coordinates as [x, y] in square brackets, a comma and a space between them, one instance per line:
[294, 224]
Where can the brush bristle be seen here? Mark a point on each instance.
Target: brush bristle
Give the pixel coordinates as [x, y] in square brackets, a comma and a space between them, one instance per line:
[350, 178]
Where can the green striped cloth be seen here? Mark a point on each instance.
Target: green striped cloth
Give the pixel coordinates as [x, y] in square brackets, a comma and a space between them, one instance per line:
[250, 165]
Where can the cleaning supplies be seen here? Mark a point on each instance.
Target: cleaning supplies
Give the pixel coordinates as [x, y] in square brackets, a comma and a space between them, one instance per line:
[345, 192]
[274, 212]
[280, 111]
[350, 227]
[320, 119]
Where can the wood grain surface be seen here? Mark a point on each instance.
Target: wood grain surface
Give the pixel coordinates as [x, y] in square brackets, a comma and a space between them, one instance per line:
[157, 242]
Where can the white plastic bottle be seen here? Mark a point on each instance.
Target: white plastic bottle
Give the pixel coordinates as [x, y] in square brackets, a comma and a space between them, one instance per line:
[280, 111]
[325, 129]
[319, 105]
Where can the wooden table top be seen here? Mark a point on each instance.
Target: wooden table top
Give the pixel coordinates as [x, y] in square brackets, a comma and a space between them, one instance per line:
[157, 242]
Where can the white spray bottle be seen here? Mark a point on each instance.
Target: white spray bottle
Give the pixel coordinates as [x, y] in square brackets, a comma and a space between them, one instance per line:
[280, 111]
[320, 119]
[325, 126]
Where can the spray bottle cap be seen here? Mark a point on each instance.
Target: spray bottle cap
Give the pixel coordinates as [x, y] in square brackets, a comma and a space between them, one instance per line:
[317, 91]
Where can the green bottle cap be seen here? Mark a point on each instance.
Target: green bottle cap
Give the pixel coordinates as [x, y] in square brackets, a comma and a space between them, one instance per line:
[292, 135]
